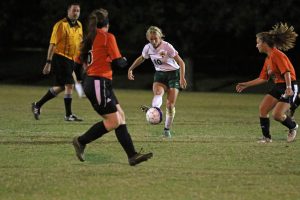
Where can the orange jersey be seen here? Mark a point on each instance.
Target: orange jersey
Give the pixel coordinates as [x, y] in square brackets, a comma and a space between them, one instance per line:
[104, 50]
[276, 65]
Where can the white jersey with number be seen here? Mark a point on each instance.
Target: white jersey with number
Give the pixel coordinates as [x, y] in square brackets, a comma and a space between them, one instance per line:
[162, 57]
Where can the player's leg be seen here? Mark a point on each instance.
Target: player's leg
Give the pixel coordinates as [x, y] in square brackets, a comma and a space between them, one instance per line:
[70, 116]
[158, 92]
[280, 116]
[294, 103]
[266, 105]
[77, 75]
[50, 94]
[114, 119]
[68, 81]
[170, 110]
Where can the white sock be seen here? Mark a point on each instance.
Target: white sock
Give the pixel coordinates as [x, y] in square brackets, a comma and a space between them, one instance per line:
[79, 89]
[170, 114]
[157, 101]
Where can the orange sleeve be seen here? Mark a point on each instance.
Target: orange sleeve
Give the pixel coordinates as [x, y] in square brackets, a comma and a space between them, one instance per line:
[113, 50]
[264, 72]
[282, 64]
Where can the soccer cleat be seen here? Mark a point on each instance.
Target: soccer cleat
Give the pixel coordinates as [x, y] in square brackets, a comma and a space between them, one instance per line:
[292, 134]
[72, 118]
[79, 149]
[35, 110]
[264, 140]
[138, 158]
[144, 108]
[167, 133]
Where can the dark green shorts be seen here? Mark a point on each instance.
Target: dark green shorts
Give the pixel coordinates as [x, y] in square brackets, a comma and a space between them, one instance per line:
[170, 79]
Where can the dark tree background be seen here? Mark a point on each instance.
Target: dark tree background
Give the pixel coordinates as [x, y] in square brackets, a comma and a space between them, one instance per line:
[216, 36]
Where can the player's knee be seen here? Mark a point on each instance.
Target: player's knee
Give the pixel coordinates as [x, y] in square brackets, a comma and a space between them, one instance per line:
[262, 111]
[278, 116]
[121, 117]
[111, 124]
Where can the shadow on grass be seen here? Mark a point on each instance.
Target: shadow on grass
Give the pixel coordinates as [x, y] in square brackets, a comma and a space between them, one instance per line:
[98, 159]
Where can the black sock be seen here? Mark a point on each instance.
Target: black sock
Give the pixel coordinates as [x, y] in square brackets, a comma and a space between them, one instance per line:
[125, 140]
[265, 126]
[68, 103]
[49, 95]
[289, 123]
[95, 132]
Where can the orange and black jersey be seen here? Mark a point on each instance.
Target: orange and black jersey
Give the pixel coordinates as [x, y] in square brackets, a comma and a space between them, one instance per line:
[67, 38]
[104, 51]
[276, 65]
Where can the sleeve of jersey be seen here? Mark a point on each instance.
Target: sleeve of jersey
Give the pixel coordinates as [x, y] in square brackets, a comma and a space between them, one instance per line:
[56, 33]
[282, 64]
[264, 73]
[171, 51]
[113, 50]
[145, 53]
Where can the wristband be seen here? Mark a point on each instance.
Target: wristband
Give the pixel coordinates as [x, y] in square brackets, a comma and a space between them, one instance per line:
[288, 86]
[48, 61]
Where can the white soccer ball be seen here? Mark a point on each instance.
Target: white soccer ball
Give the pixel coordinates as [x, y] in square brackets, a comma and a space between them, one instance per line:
[154, 115]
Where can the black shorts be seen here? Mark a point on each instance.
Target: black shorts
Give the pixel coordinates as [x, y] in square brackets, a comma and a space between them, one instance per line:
[78, 70]
[278, 91]
[62, 68]
[101, 95]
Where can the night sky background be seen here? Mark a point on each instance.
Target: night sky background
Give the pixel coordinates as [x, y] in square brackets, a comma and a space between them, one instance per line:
[217, 37]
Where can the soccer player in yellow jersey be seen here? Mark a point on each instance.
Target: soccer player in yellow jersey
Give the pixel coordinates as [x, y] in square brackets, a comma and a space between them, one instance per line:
[64, 47]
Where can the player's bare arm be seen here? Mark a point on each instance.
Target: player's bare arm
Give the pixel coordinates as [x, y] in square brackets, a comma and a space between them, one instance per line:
[47, 67]
[181, 63]
[135, 64]
[241, 86]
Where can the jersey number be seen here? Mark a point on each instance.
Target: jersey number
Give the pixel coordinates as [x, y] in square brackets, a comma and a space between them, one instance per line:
[90, 58]
[157, 61]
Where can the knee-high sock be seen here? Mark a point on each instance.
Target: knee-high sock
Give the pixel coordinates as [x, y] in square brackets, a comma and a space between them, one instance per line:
[288, 122]
[125, 140]
[95, 132]
[68, 104]
[265, 126]
[157, 101]
[48, 96]
[170, 114]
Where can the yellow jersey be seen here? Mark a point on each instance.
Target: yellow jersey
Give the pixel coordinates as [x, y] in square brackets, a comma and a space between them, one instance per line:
[67, 38]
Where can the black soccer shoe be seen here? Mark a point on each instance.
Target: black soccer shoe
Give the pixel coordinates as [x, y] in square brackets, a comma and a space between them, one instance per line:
[138, 158]
[35, 110]
[79, 149]
[144, 108]
[73, 118]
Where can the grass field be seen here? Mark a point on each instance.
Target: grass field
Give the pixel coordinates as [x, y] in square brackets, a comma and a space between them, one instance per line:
[213, 154]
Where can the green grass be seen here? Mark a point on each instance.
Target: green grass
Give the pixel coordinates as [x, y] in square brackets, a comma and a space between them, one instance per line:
[213, 154]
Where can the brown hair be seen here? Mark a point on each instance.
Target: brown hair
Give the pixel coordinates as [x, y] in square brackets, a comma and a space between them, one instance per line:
[97, 19]
[281, 36]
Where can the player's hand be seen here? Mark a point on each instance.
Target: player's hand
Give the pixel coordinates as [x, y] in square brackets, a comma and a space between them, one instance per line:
[130, 75]
[240, 87]
[289, 92]
[47, 68]
[183, 83]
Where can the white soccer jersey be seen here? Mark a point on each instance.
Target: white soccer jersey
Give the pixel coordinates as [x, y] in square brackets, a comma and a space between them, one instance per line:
[162, 57]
